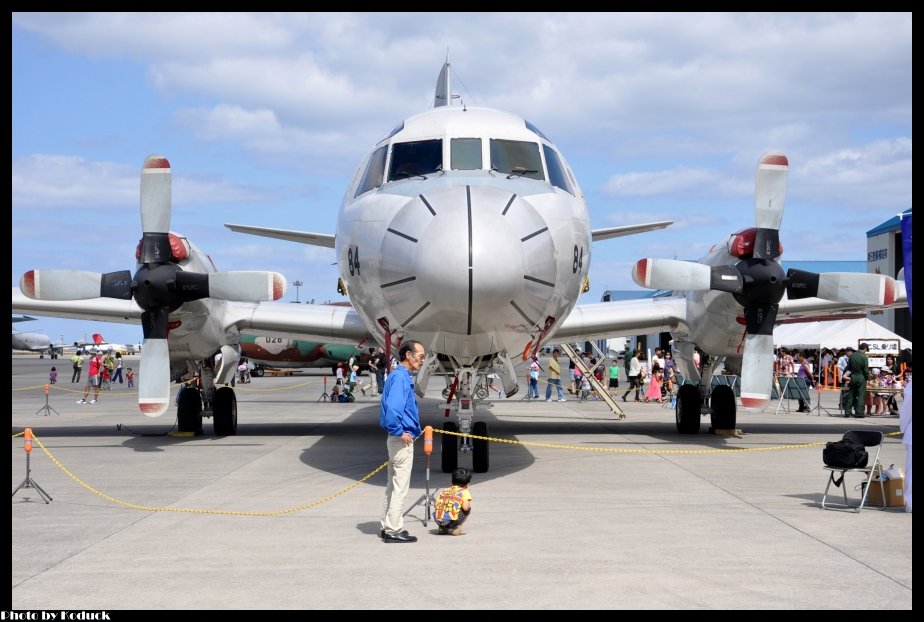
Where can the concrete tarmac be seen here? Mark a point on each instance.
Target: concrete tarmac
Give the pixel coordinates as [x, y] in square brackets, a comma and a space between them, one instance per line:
[550, 528]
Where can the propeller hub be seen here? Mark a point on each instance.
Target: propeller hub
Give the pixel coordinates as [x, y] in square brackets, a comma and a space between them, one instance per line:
[764, 282]
[155, 286]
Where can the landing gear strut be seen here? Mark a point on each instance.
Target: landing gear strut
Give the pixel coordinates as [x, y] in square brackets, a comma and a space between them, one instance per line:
[467, 391]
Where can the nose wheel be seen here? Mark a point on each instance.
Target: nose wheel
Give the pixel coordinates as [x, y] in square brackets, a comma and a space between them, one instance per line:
[450, 447]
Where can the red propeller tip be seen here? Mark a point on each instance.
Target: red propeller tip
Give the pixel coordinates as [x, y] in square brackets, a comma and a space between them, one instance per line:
[640, 272]
[774, 159]
[156, 162]
[152, 408]
[27, 285]
[889, 296]
[754, 402]
[279, 287]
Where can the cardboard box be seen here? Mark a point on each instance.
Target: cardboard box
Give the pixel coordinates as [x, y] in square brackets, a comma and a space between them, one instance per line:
[894, 489]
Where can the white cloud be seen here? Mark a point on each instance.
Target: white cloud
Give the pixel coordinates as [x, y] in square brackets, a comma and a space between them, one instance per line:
[55, 181]
[678, 181]
[44, 181]
[873, 175]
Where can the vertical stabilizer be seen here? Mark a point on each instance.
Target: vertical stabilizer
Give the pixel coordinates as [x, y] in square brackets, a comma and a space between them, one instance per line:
[443, 95]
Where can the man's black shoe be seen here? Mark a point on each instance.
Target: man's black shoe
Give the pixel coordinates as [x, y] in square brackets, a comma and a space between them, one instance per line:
[401, 537]
[382, 533]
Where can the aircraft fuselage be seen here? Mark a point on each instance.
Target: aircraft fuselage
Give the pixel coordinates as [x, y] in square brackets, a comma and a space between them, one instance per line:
[464, 229]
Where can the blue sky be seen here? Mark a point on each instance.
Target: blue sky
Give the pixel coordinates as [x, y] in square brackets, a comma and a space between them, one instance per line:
[264, 118]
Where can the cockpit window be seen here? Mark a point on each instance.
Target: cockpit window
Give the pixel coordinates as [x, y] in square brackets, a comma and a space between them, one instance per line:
[415, 159]
[535, 129]
[516, 158]
[465, 153]
[557, 176]
[375, 171]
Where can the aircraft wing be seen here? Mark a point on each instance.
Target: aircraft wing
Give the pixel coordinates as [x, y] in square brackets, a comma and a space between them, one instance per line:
[618, 232]
[327, 323]
[820, 308]
[664, 314]
[302, 237]
[621, 317]
[96, 309]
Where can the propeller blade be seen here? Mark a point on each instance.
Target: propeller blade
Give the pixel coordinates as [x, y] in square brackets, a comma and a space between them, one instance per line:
[757, 371]
[801, 284]
[726, 279]
[671, 274]
[246, 286]
[847, 287]
[156, 188]
[154, 378]
[155, 322]
[760, 319]
[69, 284]
[770, 194]
[116, 285]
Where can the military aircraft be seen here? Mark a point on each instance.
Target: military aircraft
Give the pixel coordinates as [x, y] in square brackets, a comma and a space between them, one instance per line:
[280, 351]
[37, 342]
[463, 228]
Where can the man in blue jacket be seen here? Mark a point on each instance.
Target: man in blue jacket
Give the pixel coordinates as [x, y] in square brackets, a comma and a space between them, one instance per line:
[400, 418]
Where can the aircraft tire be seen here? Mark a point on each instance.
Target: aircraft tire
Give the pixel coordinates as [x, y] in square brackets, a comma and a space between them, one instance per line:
[258, 372]
[480, 448]
[688, 409]
[189, 411]
[450, 447]
[723, 408]
[224, 412]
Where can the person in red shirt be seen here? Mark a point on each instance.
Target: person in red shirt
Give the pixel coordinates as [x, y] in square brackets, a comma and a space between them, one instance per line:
[96, 364]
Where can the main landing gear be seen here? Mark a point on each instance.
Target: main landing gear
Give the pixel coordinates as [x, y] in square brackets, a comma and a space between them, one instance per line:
[692, 404]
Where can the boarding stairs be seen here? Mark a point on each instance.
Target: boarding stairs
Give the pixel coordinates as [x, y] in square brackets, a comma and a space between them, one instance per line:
[598, 386]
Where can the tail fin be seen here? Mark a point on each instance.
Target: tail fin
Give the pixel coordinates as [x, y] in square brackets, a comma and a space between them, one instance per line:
[98, 339]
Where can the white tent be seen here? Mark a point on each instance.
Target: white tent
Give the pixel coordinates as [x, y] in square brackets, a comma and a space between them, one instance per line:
[831, 334]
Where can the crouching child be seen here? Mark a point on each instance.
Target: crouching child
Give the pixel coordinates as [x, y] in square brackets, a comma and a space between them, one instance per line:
[454, 504]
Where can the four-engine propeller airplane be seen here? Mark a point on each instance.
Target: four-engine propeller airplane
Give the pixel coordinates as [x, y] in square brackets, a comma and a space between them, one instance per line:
[463, 228]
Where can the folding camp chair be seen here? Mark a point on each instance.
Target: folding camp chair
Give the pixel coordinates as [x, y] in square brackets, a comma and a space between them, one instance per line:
[869, 439]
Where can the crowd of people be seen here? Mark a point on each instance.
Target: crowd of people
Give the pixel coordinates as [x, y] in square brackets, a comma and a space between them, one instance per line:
[867, 390]
[104, 369]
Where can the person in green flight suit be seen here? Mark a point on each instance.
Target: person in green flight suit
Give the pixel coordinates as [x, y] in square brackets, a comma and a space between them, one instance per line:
[858, 367]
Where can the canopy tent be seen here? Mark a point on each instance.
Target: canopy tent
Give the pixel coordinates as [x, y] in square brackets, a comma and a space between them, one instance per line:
[831, 334]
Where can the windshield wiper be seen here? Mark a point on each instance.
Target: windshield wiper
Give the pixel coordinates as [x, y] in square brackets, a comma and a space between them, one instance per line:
[407, 175]
[519, 171]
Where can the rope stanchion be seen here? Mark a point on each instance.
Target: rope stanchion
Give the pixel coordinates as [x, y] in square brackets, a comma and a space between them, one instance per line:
[46, 408]
[428, 449]
[29, 482]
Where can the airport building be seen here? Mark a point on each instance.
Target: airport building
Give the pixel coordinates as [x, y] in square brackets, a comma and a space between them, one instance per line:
[884, 256]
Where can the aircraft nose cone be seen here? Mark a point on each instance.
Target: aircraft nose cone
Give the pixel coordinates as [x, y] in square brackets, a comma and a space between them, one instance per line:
[483, 263]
